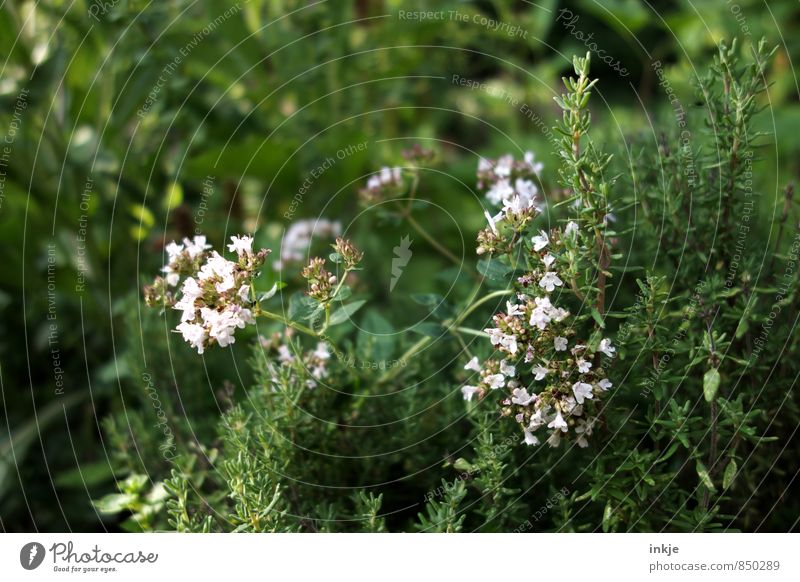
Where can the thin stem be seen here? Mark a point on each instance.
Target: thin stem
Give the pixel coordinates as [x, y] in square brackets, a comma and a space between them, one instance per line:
[444, 251]
[450, 324]
[333, 296]
[287, 322]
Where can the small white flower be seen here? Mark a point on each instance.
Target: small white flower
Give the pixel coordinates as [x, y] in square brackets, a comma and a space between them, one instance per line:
[495, 381]
[558, 423]
[529, 355]
[583, 365]
[507, 369]
[560, 314]
[520, 396]
[550, 281]
[172, 277]
[607, 348]
[569, 405]
[537, 420]
[195, 246]
[570, 229]
[195, 334]
[495, 335]
[536, 167]
[548, 260]
[540, 241]
[491, 221]
[582, 390]
[299, 236]
[554, 440]
[500, 192]
[584, 429]
[173, 250]
[540, 372]
[322, 351]
[284, 354]
[473, 365]
[541, 314]
[509, 342]
[577, 348]
[244, 292]
[530, 439]
[527, 191]
[512, 309]
[604, 384]
[516, 204]
[503, 165]
[241, 245]
[469, 391]
[560, 344]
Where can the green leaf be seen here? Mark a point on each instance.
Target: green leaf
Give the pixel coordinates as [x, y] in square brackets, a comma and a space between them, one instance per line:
[376, 338]
[429, 328]
[435, 302]
[608, 517]
[461, 464]
[705, 478]
[115, 503]
[711, 384]
[86, 475]
[301, 306]
[493, 269]
[343, 314]
[598, 318]
[730, 474]
[271, 293]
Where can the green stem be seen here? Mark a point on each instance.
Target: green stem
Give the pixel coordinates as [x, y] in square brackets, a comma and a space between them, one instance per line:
[333, 296]
[444, 251]
[287, 322]
[450, 324]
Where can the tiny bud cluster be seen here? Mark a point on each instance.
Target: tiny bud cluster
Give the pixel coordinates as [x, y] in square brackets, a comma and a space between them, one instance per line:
[320, 280]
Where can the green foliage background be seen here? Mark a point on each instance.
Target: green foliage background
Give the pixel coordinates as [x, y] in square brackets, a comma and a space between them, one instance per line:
[255, 104]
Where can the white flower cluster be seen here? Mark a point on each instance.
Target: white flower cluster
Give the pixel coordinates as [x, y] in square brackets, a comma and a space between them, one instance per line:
[534, 334]
[215, 295]
[385, 182]
[314, 362]
[510, 182]
[299, 236]
[182, 257]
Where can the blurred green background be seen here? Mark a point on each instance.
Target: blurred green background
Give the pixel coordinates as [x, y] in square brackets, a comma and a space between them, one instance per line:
[126, 124]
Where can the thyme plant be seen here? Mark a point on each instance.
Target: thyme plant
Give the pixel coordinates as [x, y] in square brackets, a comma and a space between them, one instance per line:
[596, 370]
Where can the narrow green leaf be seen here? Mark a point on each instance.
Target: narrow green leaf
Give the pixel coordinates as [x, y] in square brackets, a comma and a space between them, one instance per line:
[711, 384]
[730, 474]
[705, 478]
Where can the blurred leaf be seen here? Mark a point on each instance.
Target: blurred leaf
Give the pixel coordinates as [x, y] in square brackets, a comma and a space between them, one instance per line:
[343, 314]
[710, 384]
